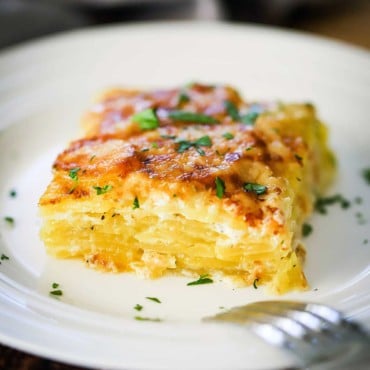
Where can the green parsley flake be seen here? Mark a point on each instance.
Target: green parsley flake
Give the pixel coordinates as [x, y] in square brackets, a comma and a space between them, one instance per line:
[258, 189]
[306, 229]
[140, 318]
[220, 187]
[203, 279]
[322, 203]
[138, 307]
[255, 284]
[184, 145]
[202, 141]
[73, 173]
[298, 158]
[249, 118]
[366, 175]
[200, 151]
[155, 145]
[92, 157]
[4, 257]
[13, 193]
[182, 99]
[184, 116]
[9, 220]
[228, 135]
[102, 190]
[154, 299]
[232, 110]
[136, 203]
[56, 292]
[146, 119]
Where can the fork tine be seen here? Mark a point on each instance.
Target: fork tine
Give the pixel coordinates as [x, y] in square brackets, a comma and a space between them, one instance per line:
[329, 321]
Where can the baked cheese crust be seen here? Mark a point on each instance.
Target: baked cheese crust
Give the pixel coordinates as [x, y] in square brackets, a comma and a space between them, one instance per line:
[191, 180]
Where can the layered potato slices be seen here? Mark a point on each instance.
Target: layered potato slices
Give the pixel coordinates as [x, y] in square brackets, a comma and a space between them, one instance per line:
[191, 180]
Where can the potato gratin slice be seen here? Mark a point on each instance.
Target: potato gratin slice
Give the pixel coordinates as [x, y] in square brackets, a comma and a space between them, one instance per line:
[189, 181]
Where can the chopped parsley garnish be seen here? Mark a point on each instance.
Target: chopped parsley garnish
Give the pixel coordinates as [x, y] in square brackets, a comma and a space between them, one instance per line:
[202, 141]
[92, 157]
[140, 318]
[145, 150]
[249, 148]
[13, 193]
[102, 190]
[232, 110]
[322, 203]
[203, 279]
[136, 203]
[184, 116]
[154, 299]
[73, 173]
[155, 145]
[249, 118]
[4, 257]
[255, 284]
[146, 119]
[182, 99]
[306, 229]
[220, 187]
[258, 189]
[56, 291]
[366, 175]
[200, 151]
[138, 307]
[184, 145]
[228, 135]
[9, 220]
[298, 158]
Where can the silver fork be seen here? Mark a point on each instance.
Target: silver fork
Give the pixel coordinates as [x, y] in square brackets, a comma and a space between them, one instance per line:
[319, 336]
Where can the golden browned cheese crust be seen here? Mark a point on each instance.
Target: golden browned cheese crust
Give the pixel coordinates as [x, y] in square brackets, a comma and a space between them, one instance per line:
[223, 192]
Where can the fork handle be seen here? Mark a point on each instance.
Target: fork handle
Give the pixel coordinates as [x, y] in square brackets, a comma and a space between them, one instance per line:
[360, 360]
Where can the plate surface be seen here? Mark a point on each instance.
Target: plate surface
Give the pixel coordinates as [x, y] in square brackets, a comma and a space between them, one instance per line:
[45, 87]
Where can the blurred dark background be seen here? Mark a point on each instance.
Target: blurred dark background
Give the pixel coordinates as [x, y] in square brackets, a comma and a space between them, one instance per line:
[22, 20]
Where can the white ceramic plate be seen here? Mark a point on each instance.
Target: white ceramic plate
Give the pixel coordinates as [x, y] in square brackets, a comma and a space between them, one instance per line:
[44, 88]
